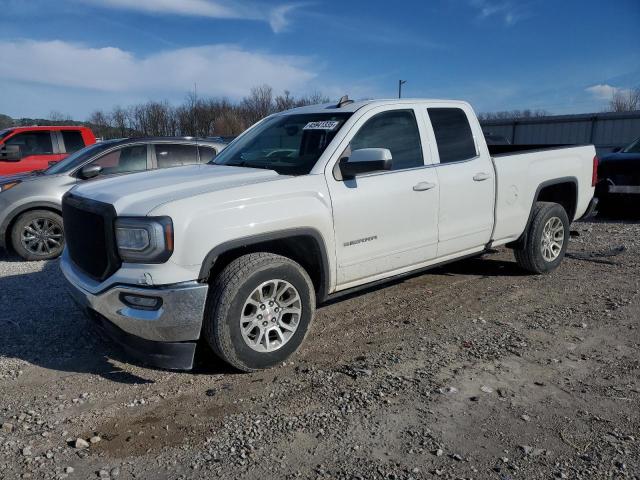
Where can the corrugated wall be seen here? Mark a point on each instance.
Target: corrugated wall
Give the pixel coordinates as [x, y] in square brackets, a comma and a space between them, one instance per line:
[604, 130]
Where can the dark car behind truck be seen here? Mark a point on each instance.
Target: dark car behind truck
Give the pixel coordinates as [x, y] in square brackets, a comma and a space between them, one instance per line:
[619, 185]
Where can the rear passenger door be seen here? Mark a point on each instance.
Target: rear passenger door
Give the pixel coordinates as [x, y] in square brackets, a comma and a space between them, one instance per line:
[166, 155]
[467, 183]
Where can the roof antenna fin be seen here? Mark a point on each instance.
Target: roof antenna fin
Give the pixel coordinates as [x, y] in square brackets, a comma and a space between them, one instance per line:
[344, 100]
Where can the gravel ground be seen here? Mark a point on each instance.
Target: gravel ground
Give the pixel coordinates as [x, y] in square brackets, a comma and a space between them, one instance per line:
[474, 370]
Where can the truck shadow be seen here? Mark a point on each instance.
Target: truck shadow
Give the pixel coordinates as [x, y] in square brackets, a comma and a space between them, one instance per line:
[41, 325]
[480, 266]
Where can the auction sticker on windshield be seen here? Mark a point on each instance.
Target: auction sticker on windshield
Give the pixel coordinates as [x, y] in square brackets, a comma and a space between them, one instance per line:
[326, 125]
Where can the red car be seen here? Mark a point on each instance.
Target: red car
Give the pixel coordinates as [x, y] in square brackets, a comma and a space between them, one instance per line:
[24, 149]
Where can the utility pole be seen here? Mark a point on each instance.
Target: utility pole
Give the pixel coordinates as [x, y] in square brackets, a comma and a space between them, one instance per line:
[400, 83]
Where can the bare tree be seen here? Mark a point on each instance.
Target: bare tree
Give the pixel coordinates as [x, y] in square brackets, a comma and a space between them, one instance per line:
[285, 101]
[119, 120]
[99, 122]
[196, 116]
[60, 118]
[625, 100]
[258, 104]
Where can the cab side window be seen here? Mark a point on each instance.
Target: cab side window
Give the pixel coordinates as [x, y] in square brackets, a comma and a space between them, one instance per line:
[175, 155]
[132, 158]
[396, 130]
[453, 134]
[72, 140]
[33, 143]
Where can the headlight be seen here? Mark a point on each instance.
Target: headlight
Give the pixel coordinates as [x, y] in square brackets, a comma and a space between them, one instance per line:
[8, 186]
[144, 239]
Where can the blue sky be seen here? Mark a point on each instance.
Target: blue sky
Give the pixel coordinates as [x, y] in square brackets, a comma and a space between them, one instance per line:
[75, 56]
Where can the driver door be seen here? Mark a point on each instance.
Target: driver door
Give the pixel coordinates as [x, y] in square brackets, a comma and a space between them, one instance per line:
[385, 222]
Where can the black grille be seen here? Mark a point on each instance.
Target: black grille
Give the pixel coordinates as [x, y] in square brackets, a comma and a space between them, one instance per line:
[89, 235]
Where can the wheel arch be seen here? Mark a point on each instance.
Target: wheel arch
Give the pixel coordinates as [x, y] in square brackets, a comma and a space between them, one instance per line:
[303, 245]
[12, 217]
[563, 191]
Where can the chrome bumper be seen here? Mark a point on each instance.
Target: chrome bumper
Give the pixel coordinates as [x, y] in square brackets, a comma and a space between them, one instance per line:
[178, 319]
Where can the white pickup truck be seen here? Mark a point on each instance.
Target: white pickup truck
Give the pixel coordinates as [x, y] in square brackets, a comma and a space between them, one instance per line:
[306, 205]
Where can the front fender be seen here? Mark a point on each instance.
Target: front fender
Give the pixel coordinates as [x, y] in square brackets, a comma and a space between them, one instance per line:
[206, 225]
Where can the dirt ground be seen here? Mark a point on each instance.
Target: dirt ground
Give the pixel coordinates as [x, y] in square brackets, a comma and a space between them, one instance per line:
[473, 370]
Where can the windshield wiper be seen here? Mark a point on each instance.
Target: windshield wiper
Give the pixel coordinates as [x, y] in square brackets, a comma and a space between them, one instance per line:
[246, 164]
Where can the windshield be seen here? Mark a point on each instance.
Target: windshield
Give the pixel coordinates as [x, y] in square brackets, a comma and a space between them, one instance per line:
[77, 158]
[288, 144]
[5, 132]
[633, 148]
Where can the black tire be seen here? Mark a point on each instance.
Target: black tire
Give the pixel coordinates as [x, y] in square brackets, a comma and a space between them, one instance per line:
[49, 236]
[530, 256]
[226, 301]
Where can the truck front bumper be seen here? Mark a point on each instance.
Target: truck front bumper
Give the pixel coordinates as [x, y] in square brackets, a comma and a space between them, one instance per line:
[164, 336]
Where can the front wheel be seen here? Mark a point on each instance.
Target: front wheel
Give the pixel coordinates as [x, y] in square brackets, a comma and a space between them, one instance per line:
[546, 241]
[38, 235]
[259, 310]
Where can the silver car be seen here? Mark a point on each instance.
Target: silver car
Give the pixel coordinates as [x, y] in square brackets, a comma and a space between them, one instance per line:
[30, 204]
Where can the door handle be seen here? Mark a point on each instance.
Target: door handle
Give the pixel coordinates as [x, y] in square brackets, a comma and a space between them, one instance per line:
[422, 186]
[479, 177]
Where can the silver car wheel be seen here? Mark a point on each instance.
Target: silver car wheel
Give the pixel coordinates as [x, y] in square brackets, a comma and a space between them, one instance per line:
[42, 236]
[552, 239]
[270, 316]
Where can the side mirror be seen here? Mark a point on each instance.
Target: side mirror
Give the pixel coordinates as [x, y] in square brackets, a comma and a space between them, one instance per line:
[616, 150]
[366, 160]
[10, 153]
[90, 171]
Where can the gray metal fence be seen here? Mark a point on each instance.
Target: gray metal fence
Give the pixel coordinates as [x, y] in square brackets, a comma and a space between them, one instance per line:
[604, 130]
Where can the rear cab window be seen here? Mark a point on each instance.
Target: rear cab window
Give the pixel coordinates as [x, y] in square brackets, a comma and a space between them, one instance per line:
[73, 140]
[453, 134]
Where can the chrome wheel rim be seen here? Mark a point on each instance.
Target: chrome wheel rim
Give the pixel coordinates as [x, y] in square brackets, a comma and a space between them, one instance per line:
[42, 236]
[270, 316]
[552, 239]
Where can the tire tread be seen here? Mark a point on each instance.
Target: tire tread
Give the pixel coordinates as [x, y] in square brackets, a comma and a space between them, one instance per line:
[528, 256]
[222, 293]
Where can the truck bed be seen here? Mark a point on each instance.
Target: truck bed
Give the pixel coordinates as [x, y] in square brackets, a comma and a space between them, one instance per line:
[501, 150]
[523, 169]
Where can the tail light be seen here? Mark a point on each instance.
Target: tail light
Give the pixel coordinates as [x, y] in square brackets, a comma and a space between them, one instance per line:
[594, 175]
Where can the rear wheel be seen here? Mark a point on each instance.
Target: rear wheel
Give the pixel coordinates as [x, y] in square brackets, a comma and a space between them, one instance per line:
[546, 239]
[38, 235]
[258, 311]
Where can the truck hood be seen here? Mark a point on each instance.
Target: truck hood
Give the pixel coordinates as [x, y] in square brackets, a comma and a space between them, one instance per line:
[139, 193]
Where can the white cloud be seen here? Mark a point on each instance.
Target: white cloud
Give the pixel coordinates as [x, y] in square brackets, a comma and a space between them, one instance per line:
[509, 12]
[602, 91]
[275, 16]
[218, 70]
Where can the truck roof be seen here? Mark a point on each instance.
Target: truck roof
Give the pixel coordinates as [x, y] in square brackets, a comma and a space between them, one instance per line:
[353, 106]
[46, 127]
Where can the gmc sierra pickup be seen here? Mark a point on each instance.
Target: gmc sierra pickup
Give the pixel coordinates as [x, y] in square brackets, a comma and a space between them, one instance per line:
[305, 205]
